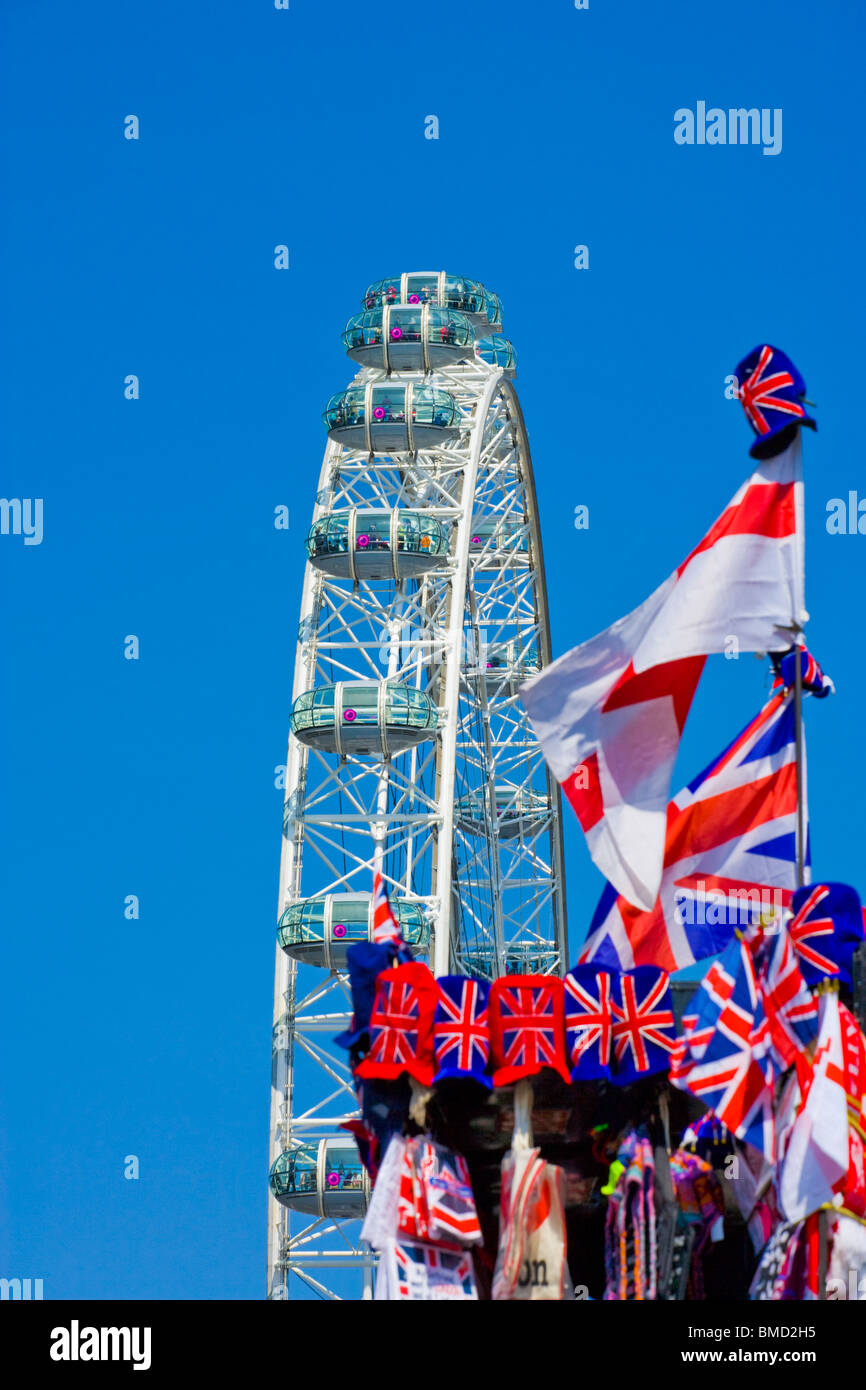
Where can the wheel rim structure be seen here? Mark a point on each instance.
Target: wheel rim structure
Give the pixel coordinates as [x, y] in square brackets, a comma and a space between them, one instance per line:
[464, 822]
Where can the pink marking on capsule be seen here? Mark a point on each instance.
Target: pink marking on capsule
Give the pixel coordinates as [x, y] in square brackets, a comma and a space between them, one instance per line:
[339, 930]
[350, 715]
[379, 413]
[333, 1179]
[396, 332]
[362, 542]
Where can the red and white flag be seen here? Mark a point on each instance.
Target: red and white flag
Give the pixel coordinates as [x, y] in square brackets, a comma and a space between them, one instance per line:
[609, 713]
[817, 1153]
[385, 925]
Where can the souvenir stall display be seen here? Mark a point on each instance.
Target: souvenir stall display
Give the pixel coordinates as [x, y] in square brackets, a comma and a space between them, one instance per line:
[533, 1137]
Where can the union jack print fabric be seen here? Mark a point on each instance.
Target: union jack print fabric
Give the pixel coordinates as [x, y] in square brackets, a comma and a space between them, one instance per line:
[588, 1022]
[730, 855]
[386, 928]
[430, 1274]
[813, 680]
[527, 1031]
[826, 929]
[771, 392]
[724, 1056]
[401, 1025]
[790, 1006]
[461, 1033]
[643, 1034]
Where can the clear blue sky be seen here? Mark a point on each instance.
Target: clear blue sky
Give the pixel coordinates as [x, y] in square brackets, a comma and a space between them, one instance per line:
[155, 257]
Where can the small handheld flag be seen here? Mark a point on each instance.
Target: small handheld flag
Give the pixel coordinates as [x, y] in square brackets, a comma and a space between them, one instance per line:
[385, 924]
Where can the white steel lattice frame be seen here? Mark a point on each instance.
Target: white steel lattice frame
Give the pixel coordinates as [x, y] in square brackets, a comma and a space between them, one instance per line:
[494, 903]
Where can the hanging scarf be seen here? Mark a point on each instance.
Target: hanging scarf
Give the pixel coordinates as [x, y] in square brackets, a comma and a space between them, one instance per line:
[630, 1226]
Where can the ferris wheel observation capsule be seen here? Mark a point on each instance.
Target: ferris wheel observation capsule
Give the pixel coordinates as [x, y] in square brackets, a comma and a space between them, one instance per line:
[496, 540]
[392, 418]
[319, 931]
[432, 287]
[365, 718]
[409, 337]
[324, 1179]
[482, 307]
[497, 351]
[380, 544]
[515, 812]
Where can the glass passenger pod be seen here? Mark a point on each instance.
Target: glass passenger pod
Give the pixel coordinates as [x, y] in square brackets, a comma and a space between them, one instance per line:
[433, 287]
[409, 338]
[323, 1179]
[363, 718]
[383, 418]
[497, 540]
[532, 958]
[497, 351]
[517, 812]
[379, 544]
[509, 663]
[493, 309]
[319, 931]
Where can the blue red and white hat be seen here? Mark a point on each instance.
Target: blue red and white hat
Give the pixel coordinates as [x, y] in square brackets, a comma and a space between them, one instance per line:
[461, 1035]
[644, 1027]
[588, 1022]
[771, 392]
[826, 929]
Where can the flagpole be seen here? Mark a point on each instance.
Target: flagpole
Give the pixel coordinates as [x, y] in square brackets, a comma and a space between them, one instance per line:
[799, 619]
[798, 737]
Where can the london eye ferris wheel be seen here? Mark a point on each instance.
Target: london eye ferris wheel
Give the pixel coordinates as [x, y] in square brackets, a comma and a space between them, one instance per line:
[423, 610]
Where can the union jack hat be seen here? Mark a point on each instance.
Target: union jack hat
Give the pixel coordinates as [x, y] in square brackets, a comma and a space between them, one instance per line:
[461, 1036]
[644, 1029]
[771, 391]
[588, 1022]
[401, 1025]
[527, 1027]
[825, 930]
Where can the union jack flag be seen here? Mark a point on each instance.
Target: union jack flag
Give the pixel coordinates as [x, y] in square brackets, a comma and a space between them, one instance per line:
[758, 391]
[730, 855]
[385, 924]
[790, 1006]
[732, 1072]
[461, 1035]
[527, 1027]
[643, 1023]
[401, 1025]
[588, 1022]
[812, 677]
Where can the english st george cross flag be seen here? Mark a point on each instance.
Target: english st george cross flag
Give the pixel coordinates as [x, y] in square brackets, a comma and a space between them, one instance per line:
[817, 1153]
[609, 713]
[730, 855]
